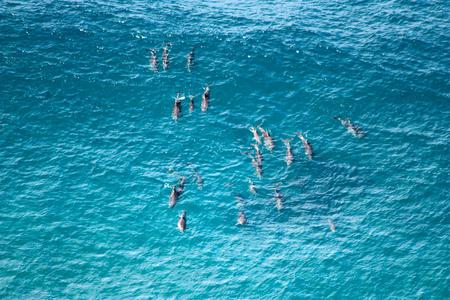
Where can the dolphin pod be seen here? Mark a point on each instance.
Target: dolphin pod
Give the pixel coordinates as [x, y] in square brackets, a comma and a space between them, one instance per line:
[257, 159]
[176, 110]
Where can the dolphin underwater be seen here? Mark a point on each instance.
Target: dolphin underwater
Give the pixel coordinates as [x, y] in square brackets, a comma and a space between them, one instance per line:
[153, 60]
[191, 103]
[331, 225]
[289, 158]
[306, 145]
[165, 56]
[251, 187]
[278, 198]
[352, 128]
[190, 59]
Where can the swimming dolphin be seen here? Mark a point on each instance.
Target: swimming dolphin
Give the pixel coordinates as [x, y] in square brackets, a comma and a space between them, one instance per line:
[257, 161]
[251, 187]
[257, 165]
[255, 135]
[306, 145]
[205, 99]
[182, 221]
[181, 184]
[199, 179]
[190, 59]
[153, 60]
[289, 155]
[268, 141]
[176, 192]
[176, 111]
[353, 129]
[332, 226]
[165, 57]
[278, 199]
[191, 103]
[258, 154]
[241, 220]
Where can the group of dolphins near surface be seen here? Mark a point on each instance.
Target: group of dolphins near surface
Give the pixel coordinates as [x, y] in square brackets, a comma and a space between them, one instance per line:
[257, 159]
[176, 110]
[165, 58]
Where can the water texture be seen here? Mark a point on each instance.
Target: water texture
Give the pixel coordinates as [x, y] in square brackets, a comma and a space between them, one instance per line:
[89, 150]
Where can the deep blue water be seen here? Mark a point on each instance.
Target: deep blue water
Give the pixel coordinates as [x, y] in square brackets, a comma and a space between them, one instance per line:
[89, 150]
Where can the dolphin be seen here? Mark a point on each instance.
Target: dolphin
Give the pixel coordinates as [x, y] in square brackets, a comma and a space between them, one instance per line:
[153, 60]
[190, 59]
[191, 103]
[165, 56]
[268, 141]
[278, 199]
[306, 145]
[205, 99]
[353, 129]
[255, 135]
[241, 220]
[198, 178]
[256, 164]
[176, 192]
[289, 155]
[332, 226]
[251, 187]
[181, 184]
[176, 111]
[258, 154]
[182, 221]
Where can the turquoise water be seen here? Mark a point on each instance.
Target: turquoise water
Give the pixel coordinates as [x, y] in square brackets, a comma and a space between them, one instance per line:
[89, 150]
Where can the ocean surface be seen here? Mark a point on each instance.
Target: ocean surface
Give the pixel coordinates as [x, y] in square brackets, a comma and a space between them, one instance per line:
[89, 150]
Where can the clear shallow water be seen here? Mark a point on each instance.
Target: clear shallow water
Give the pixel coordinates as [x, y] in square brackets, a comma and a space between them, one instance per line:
[89, 149]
